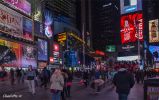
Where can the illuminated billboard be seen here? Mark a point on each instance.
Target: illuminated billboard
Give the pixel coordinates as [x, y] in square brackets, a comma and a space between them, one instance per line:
[154, 50]
[42, 50]
[131, 26]
[27, 29]
[11, 22]
[22, 5]
[48, 15]
[153, 31]
[128, 6]
[28, 56]
[10, 53]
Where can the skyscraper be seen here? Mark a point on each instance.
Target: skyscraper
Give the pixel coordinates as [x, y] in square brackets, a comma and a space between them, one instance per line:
[105, 23]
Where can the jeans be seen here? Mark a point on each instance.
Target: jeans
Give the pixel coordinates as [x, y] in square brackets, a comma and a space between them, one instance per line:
[68, 91]
[31, 85]
[123, 96]
[56, 96]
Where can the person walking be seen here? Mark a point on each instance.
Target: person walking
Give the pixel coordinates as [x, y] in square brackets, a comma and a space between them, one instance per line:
[57, 84]
[18, 74]
[64, 92]
[123, 81]
[69, 83]
[85, 78]
[12, 76]
[31, 79]
[22, 76]
[45, 76]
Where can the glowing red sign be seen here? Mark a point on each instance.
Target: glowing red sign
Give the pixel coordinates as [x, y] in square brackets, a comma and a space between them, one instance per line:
[131, 26]
[56, 47]
[100, 52]
[51, 60]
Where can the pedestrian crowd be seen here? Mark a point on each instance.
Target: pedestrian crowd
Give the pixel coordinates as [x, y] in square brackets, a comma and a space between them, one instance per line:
[121, 75]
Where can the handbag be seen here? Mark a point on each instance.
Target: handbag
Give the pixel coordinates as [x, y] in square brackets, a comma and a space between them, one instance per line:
[69, 84]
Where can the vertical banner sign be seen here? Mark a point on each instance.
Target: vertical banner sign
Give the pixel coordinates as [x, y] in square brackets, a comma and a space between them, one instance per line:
[42, 50]
[153, 31]
[27, 29]
[28, 56]
[48, 23]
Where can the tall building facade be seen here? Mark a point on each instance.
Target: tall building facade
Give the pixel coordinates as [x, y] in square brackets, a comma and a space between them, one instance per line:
[105, 23]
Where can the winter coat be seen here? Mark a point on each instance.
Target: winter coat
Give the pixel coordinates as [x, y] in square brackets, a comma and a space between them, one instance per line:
[57, 82]
[123, 81]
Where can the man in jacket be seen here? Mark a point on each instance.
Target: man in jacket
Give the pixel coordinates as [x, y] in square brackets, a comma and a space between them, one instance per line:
[123, 81]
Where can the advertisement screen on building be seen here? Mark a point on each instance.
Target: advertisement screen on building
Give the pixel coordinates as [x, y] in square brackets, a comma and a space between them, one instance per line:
[48, 16]
[10, 54]
[38, 28]
[131, 26]
[73, 61]
[128, 58]
[128, 6]
[22, 5]
[27, 29]
[152, 93]
[56, 53]
[153, 31]
[11, 22]
[155, 52]
[42, 50]
[110, 48]
[28, 56]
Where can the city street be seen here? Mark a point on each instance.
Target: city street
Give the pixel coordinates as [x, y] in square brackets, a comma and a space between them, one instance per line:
[78, 93]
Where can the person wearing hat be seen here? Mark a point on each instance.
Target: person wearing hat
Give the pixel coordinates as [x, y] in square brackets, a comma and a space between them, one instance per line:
[124, 81]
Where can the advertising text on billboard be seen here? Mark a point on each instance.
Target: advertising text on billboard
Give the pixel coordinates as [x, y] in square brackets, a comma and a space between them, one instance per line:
[131, 26]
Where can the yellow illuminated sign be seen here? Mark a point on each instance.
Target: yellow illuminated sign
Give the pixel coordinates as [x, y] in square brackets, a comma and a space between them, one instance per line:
[76, 37]
[62, 37]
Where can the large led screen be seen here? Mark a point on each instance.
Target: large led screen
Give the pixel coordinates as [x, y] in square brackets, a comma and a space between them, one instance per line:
[128, 6]
[28, 56]
[10, 53]
[154, 50]
[131, 25]
[48, 15]
[42, 50]
[27, 29]
[153, 31]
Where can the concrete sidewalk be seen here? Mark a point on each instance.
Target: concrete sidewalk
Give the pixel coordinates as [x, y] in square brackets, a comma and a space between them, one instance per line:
[77, 93]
